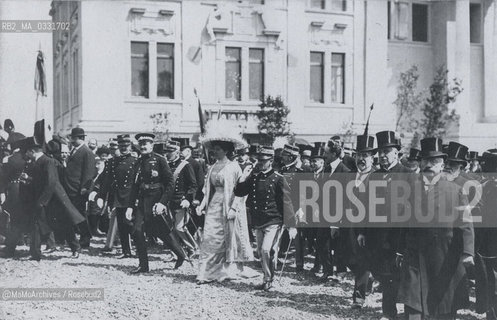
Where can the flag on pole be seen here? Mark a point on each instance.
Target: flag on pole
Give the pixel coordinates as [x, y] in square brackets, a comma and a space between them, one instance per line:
[201, 116]
[367, 122]
[40, 78]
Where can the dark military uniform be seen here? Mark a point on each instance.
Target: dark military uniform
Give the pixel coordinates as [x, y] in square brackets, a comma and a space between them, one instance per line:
[153, 184]
[116, 183]
[269, 197]
[185, 187]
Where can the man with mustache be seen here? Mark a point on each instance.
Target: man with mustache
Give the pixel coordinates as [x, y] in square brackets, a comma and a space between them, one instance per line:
[152, 189]
[433, 257]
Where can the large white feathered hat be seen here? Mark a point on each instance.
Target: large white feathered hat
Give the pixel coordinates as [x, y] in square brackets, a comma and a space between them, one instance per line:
[225, 131]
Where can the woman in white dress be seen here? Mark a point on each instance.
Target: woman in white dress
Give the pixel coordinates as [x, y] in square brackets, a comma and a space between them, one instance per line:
[225, 244]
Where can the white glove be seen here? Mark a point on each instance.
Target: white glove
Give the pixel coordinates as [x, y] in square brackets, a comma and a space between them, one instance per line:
[185, 204]
[292, 233]
[129, 213]
[300, 216]
[159, 208]
[2, 198]
[231, 214]
[92, 195]
[246, 173]
[100, 203]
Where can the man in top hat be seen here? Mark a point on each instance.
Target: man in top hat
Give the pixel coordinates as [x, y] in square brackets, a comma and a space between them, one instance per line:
[10, 129]
[78, 176]
[269, 197]
[305, 158]
[382, 242]
[52, 209]
[358, 255]
[456, 162]
[292, 174]
[317, 166]
[433, 258]
[185, 189]
[413, 160]
[327, 238]
[152, 189]
[115, 187]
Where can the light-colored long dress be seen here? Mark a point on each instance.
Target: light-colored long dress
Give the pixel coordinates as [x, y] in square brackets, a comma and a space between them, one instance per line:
[224, 241]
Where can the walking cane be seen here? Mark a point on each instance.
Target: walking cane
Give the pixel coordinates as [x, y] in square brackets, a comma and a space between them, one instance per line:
[284, 261]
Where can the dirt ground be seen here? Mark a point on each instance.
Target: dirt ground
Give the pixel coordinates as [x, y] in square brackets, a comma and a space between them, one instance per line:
[165, 293]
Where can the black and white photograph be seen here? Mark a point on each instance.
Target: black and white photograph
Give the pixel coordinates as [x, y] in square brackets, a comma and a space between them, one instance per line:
[248, 159]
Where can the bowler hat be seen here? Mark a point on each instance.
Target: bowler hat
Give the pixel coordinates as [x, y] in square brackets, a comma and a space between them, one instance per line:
[365, 144]
[432, 148]
[387, 139]
[457, 152]
[8, 125]
[473, 155]
[78, 132]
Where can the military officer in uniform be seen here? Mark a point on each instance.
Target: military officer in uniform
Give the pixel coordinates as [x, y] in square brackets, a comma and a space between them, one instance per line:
[271, 203]
[185, 188]
[116, 183]
[151, 191]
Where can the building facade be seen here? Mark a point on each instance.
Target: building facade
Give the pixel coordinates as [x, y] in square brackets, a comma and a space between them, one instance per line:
[123, 61]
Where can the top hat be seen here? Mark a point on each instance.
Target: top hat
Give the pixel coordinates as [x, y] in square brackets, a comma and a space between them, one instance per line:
[365, 144]
[489, 159]
[457, 152]
[145, 137]
[124, 139]
[318, 152]
[387, 139]
[78, 132]
[292, 150]
[473, 155]
[319, 145]
[25, 144]
[445, 148]
[172, 145]
[432, 148]
[414, 155]
[265, 152]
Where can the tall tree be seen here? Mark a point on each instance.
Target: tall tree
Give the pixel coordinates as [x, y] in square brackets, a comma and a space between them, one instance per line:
[273, 118]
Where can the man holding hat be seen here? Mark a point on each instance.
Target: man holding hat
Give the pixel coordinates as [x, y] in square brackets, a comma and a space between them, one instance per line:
[185, 188]
[433, 258]
[52, 208]
[271, 203]
[152, 189]
[116, 183]
[78, 177]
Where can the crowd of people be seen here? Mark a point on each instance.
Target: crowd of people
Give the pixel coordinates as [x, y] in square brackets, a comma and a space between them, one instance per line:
[218, 201]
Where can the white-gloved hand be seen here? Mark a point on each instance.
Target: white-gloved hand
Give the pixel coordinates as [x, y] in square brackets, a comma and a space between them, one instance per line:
[92, 195]
[185, 204]
[129, 213]
[100, 203]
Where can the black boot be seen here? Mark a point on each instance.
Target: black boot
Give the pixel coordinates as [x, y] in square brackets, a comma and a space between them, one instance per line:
[172, 241]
